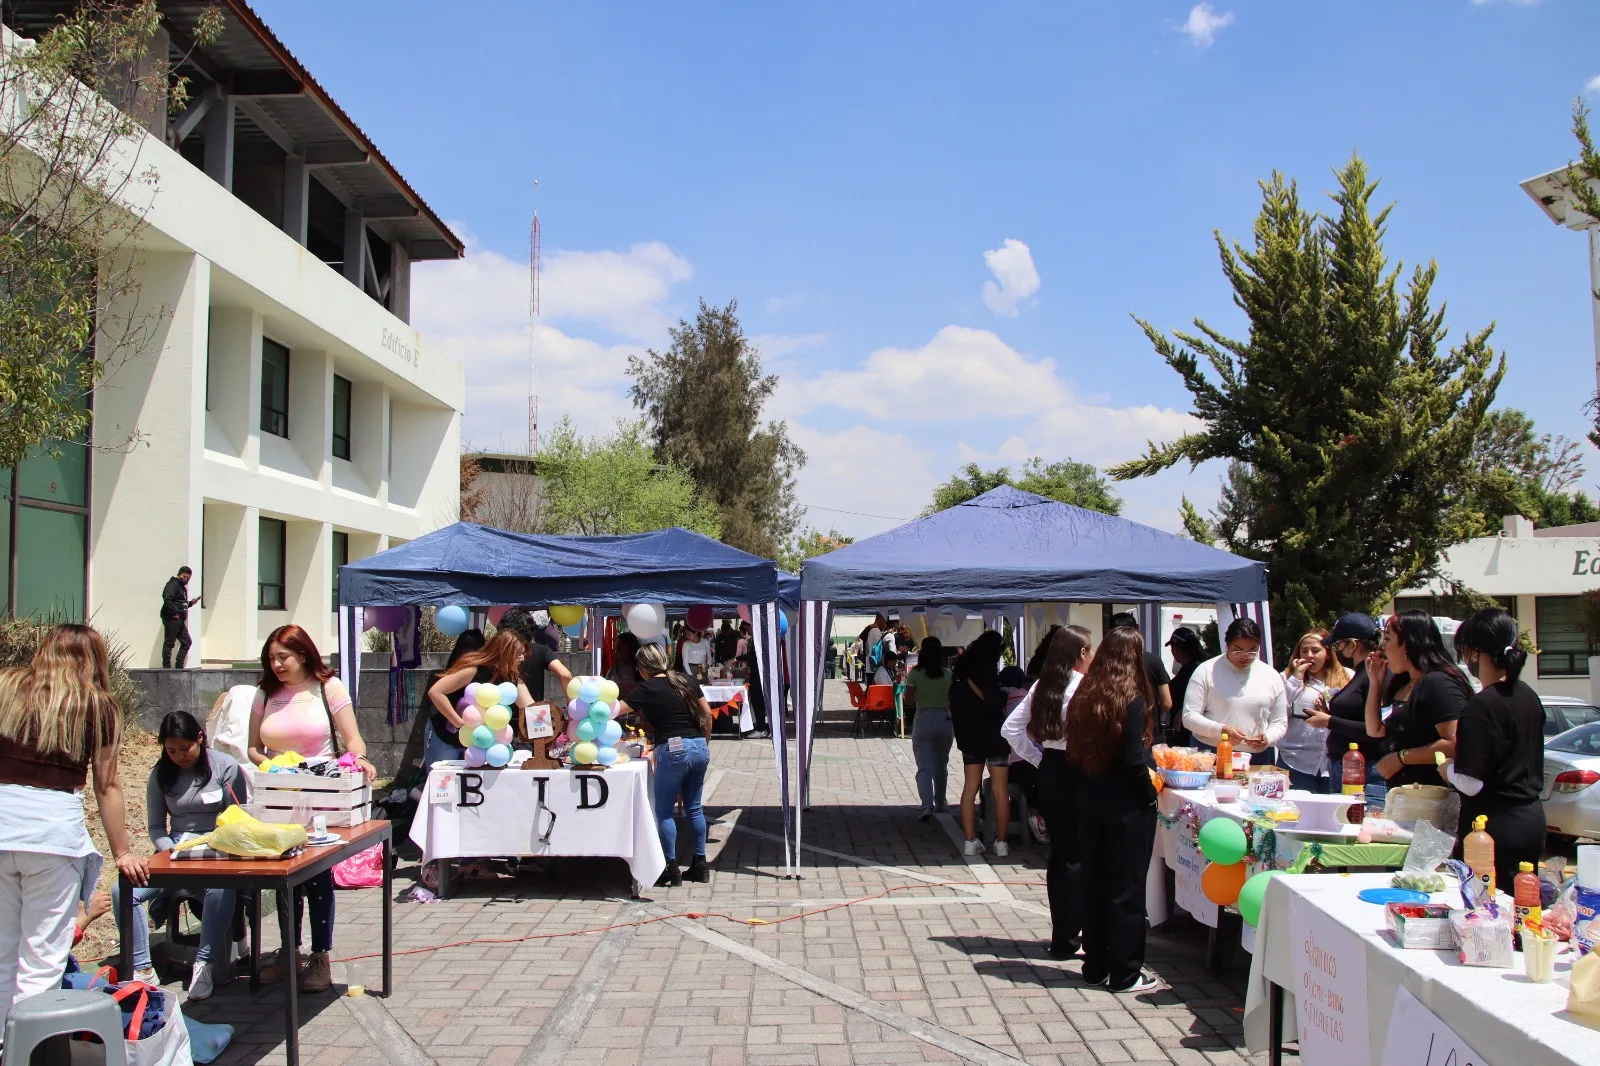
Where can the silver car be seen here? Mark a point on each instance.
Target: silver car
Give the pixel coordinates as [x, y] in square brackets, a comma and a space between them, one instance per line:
[1571, 772]
[1562, 713]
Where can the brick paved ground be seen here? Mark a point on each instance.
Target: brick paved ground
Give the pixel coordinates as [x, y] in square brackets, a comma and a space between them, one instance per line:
[931, 973]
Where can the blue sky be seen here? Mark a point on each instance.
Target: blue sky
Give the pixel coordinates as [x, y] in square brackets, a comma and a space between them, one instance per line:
[937, 217]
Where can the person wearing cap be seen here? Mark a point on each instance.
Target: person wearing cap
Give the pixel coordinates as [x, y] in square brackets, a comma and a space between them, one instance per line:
[1238, 694]
[1154, 669]
[1344, 713]
[1187, 655]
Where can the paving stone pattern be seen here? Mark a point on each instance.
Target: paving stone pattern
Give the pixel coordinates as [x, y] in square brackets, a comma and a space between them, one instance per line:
[930, 973]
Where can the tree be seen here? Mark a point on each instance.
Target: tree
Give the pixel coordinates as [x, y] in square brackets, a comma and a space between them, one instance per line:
[73, 196]
[702, 400]
[1194, 526]
[809, 545]
[1079, 484]
[1347, 423]
[1581, 176]
[615, 485]
[1515, 471]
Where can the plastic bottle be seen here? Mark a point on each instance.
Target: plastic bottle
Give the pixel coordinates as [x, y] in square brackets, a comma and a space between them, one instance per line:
[1354, 783]
[1224, 759]
[1478, 851]
[1529, 907]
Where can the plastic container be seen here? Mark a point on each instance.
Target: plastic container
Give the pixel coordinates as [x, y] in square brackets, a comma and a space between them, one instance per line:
[1586, 924]
[1225, 758]
[1528, 904]
[1186, 779]
[1477, 850]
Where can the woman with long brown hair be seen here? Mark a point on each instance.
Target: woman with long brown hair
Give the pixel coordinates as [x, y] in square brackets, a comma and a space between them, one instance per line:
[1110, 725]
[57, 719]
[1314, 676]
[302, 707]
[498, 661]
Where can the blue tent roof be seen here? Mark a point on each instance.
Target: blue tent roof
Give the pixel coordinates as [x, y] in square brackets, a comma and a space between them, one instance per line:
[1009, 546]
[788, 590]
[478, 565]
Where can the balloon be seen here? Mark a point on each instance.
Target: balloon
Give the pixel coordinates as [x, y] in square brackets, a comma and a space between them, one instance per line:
[699, 617]
[472, 716]
[783, 624]
[471, 691]
[507, 693]
[573, 630]
[573, 688]
[590, 692]
[606, 756]
[609, 692]
[464, 734]
[744, 611]
[587, 730]
[577, 709]
[599, 714]
[572, 728]
[488, 696]
[503, 736]
[462, 704]
[566, 615]
[498, 755]
[452, 621]
[1222, 841]
[1251, 895]
[482, 736]
[386, 619]
[476, 757]
[584, 753]
[610, 733]
[1221, 884]
[497, 613]
[497, 717]
[646, 620]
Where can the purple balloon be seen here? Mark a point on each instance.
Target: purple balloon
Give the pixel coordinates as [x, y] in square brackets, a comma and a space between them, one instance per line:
[477, 756]
[386, 619]
[463, 703]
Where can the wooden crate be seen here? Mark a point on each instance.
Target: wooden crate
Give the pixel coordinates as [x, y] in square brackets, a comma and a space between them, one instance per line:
[296, 799]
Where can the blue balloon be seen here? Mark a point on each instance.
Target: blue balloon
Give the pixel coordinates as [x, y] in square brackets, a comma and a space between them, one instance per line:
[499, 755]
[452, 621]
[588, 692]
[482, 737]
[610, 733]
[783, 624]
[586, 730]
[508, 693]
[606, 756]
[573, 630]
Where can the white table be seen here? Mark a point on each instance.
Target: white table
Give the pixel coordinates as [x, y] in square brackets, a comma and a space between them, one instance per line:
[486, 813]
[716, 695]
[1505, 1018]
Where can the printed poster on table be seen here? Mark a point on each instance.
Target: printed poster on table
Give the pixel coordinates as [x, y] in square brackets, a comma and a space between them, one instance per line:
[1188, 866]
[1329, 987]
[1418, 1038]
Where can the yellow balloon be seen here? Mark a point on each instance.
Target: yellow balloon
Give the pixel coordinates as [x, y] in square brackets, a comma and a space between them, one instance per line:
[609, 691]
[488, 696]
[566, 615]
[464, 734]
[572, 688]
[584, 753]
[497, 718]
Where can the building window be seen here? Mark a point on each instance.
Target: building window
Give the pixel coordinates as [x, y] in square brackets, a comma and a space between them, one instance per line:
[341, 417]
[274, 388]
[1563, 647]
[341, 556]
[271, 565]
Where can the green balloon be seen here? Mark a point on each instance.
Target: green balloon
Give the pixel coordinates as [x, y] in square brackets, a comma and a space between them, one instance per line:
[1222, 841]
[1251, 895]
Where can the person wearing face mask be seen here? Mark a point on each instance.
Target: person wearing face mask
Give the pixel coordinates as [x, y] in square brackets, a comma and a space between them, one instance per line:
[1426, 693]
[1238, 694]
[1344, 713]
[1499, 751]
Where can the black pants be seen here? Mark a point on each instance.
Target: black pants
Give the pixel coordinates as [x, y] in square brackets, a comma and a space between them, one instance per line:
[1518, 834]
[1116, 831]
[176, 632]
[758, 704]
[1057, 802]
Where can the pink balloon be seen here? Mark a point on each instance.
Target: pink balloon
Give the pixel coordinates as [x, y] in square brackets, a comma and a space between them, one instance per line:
[744, 611]
[699, 617]
[572, 729]
[472, 716]
[503, 735]
[497, 613]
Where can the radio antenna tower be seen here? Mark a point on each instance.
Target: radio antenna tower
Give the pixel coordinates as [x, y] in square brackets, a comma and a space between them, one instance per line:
[533, 327]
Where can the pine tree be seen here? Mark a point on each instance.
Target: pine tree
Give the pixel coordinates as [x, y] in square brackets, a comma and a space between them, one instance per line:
[1348, 424]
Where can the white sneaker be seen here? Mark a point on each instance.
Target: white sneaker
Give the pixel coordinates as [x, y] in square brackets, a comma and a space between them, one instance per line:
[200, 986]
[972, 847]
[147, 976]
[1145, 982]
[1001, 849]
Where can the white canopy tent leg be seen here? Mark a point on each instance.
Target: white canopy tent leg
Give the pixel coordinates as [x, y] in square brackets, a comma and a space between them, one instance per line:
[816, 624]
[596, 640]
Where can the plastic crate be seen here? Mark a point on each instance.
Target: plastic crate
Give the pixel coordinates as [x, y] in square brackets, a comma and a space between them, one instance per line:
[295, 799]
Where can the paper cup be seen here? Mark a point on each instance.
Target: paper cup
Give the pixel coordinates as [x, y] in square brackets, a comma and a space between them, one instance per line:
[1539, 957]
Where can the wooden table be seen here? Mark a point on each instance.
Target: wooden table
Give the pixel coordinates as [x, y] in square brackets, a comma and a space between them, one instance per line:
[282, 876]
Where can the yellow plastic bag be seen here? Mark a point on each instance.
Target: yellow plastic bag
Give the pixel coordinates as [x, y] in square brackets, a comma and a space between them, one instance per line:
[237, 833]
[287, 760]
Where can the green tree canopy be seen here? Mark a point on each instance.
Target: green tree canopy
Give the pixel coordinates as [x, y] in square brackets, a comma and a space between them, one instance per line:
[702, 400]
[1349, 425]
[615, 485]
[1515, 470]
[1079, 484]
[809, 545]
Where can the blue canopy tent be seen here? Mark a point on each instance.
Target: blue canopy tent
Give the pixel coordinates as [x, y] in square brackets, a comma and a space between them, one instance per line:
[479, 566]
[1004, 549]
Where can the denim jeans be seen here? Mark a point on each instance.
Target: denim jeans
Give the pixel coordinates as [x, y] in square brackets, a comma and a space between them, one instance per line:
[681, 772]
[436, 747]
[931, 737]
[216, 919]
[1377, 790]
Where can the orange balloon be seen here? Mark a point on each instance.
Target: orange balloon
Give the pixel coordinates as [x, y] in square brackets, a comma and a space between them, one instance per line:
[1221, 884]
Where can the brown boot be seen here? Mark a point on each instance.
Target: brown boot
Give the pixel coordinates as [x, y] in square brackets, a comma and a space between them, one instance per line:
[317, 976]
[273, 971]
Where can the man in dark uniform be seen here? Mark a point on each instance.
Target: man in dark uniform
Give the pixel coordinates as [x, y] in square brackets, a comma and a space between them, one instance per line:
[175, 604]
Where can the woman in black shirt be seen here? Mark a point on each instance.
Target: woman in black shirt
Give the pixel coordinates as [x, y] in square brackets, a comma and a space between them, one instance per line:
[977, 711]
[1344, 714]
[1109, 732]
[1423, 720]
[1499, 759]
[679, 721]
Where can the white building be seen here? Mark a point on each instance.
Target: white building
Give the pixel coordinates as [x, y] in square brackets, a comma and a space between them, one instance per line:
[1538, 575]
[288, 417]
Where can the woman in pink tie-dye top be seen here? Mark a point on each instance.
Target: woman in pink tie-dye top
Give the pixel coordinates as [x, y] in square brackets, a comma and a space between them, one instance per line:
[303, 708]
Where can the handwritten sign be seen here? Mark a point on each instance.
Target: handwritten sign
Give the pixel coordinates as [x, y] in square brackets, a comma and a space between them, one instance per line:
[1418, 1038]
[1189, 865]
[1330, 987]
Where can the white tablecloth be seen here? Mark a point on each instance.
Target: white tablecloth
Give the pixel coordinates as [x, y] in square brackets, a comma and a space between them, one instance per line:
[719, 694]
[487, 813]
[1505, 1018]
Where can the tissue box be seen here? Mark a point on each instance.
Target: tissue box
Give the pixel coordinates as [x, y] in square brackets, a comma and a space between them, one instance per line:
[1421, 925]
[1269, 785]
[1482, 940]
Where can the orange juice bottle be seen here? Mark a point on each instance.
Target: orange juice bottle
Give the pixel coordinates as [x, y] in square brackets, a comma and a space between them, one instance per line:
[1224, 759]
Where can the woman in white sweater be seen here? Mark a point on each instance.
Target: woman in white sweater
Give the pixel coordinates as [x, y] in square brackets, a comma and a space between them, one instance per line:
[1238, 694]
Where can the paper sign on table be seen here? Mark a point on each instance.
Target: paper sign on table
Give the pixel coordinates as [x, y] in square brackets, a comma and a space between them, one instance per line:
[1329, 987]
[1189, 865]
[1418, 1038]
[536, 721]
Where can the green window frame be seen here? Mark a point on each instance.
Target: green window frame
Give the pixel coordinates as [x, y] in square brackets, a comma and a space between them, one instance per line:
[274, 388]
[1563, 645]
[272, 565]
[341, 417]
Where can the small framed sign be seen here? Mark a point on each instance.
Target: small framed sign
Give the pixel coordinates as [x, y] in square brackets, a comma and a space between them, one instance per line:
[537, 722]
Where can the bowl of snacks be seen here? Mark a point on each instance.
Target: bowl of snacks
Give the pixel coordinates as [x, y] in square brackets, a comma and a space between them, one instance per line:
[1184, 767]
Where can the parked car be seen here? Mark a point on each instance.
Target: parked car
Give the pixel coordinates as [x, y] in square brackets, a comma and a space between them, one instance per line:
[1571, 772]
[1562, 713]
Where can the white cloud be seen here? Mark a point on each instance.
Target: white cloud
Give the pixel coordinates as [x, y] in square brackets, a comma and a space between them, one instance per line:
[1592, 85]
[1519, 3]
[623, 291]
[1203, 23]
[776, 346]
[843, 478]
[783, 303]
[1012, 267]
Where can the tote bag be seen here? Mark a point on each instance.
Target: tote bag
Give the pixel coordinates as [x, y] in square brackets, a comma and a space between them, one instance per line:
[154, 1033]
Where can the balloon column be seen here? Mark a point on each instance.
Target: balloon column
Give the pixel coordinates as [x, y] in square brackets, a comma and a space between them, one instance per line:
[591, 724]
[485, 711]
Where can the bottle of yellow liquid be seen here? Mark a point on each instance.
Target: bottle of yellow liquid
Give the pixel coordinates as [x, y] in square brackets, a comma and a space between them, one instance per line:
[1224, 759]
[1478, 852]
